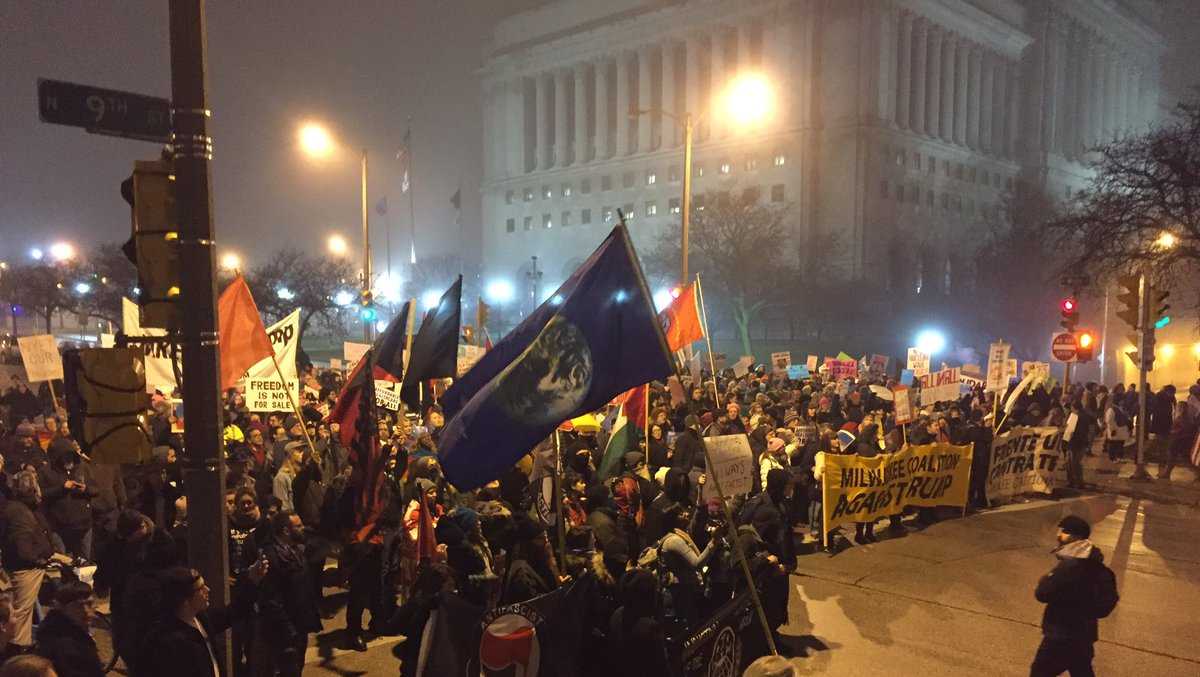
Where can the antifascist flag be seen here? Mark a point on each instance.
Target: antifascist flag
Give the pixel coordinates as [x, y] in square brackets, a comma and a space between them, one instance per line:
[243, 339]
[435, 345]
[681, 320]
[597, 336]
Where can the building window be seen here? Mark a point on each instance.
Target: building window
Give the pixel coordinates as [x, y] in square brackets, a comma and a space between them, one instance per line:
[777, 193]
[751, 194]
[547, 193]
[726, 167]
[899, 192]
[508, 197]
[547, 222]
[510, 226]
[528, 195]
[698, 170]
[901, 157]
[883, 189]
[751, 163]
[779, 160]
[673, 205]
[945, 201]
[932, 165]
[651, 208]
[917, 161]
[651, 177]
[528, 223]
[566, 190]
[585, 216]
[585, 186]
[972, 175]
[1008, 183]
[627, 210]
[673, 174]
[627, 180]
[605, 182]
[698, 201]
[607, 214]
[929, 199]
[946, 167]
[566, 219]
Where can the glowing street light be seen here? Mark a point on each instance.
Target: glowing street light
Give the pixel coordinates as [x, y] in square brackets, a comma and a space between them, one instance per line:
[430, 299]
[344, 298]
[231, 261]
[662, 299]
[62, 251]
[1166, 240]
[500, 291]
[82, 288]
[389, 286]
[36, 254]
[285, 294]
[931, 341]
[315, 140]
[337, 245]
[749, 99]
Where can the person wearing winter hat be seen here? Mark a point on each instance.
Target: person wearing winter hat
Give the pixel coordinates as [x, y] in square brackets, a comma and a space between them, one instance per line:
[689, 449]
[846, 436]
[67, 492]
[774, 458]
[25, 452]
[1078, 592]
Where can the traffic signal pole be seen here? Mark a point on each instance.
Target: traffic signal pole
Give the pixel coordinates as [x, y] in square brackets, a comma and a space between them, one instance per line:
[204, 462]
[1139, 472]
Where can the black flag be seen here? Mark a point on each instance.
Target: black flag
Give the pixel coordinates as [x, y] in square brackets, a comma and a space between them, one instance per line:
[435, 345]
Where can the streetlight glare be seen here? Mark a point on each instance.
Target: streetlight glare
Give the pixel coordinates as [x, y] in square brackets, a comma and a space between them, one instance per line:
[389, 287]
[315, 140]
[344, 298]
[338, 245]
[931, 341]
[285, 294]
[430, 299]
[62, 251]
[82, 288]
[500, 291]
[662, 299]
[1166, 240]
[749, 99]
[231, 261]
[36, 254]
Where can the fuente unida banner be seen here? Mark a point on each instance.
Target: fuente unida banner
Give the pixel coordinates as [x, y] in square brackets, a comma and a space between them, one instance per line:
[1026, 460]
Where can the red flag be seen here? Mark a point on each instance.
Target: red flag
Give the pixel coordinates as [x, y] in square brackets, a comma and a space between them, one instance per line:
[633, 404]
[681, 320]
[243, 338]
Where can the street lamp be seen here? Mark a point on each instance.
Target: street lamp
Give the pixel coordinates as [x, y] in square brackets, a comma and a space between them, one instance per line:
[338, 245]
[318, 143]
[231, 262]
[62, 251]
[747, 100]
[1166, 240]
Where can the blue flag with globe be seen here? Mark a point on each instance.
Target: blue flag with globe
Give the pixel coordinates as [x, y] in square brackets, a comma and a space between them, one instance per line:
[595, 337]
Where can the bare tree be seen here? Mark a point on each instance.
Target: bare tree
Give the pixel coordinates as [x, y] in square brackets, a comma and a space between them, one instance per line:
[112, 277]
[43, 288]
[293, 279]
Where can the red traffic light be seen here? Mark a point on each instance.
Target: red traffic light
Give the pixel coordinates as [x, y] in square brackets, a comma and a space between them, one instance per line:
[1068, 305]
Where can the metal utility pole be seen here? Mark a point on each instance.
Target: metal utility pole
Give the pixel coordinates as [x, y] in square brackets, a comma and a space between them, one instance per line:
[368, 327]
[685, 202]
[1139, 472]
[535, 281]
[204, 462]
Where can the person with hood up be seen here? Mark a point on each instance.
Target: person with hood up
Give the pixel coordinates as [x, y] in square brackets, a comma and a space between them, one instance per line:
[27, 548]
[1078, 592]
[468, 554]
[23, 451]
[636, 638]
[532, 570]
[602, 518]
[689, 448]
[67, 497]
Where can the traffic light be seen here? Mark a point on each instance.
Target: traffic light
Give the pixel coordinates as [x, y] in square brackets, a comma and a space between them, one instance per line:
[1130, 295]
[1070, 313]
[1147, 353]
[1085, 342]
[150, 192]
[366, 302]
[1157, 298]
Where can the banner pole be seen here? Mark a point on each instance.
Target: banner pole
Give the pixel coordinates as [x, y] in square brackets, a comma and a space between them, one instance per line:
[558, 501]
[824, 522]
[712, 362]
[287, 389]
[53, 396]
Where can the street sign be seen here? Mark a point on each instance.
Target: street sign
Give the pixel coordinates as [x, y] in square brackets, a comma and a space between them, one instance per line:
[1064, 347]
[104, 111]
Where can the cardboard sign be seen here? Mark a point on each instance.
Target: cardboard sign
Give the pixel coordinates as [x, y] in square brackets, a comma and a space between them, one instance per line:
[902, 404]
[840, 369]
[160, 374]
[742, 366]
[353, 352]
[732, 462]
[942, 386]
[918, 362]
[997, 369]
[41, 358]
[781, 361]
[906, 377]
[1025, 461]
[811, 363]
[467, 357]
[387, 395]
[1042, 368]
[797, 372]
[879, 363]
[268, 394]
[335, 363]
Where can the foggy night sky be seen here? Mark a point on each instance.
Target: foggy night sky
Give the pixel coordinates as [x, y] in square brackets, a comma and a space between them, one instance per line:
[363, 67]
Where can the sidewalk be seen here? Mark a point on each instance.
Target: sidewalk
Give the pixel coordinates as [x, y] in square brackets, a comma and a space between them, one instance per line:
[1104, 476]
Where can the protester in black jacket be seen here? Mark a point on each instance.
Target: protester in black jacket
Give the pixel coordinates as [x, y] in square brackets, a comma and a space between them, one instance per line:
[68, 495]
[63, 637]
[689, 449]
[288, 608]
[637, 645]
[1077, 592]
[27, 548]
[602, 518]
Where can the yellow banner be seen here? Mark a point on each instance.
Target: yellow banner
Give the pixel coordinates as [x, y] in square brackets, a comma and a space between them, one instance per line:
[856, 489]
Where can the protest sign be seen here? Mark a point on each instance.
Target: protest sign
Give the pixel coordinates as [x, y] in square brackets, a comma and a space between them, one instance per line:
[1012, 367]
[797, 371]
[268, 394]
[1042, 368]
[160, 372]
[731, 638]
[732, 463]
[285, 342]
[902, 405]
[918, 362]
[970, 381]
[781, 361]
[335, 363]
[1026, 460]
[858, 489]
[906, 377]
[811, 363]
[467, 357]
[972, 370]
[353, 352]
[40, 356]
[742, 366]
[997, 367]
[387, 395]
[840, 369]
[879, 363]
[941, 386]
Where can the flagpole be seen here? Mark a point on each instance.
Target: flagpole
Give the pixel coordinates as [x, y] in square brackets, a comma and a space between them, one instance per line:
[287, 388]
[558, 501]
[412, 199]
[712, 362]
[646, 421]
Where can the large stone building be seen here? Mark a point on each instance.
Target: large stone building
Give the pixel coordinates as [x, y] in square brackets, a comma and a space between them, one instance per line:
[899, 124]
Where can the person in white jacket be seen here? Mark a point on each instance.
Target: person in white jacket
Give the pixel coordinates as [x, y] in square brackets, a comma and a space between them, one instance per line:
[1116, 430]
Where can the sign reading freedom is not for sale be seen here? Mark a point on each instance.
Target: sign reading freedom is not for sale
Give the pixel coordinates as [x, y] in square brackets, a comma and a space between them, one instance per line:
[268, 394]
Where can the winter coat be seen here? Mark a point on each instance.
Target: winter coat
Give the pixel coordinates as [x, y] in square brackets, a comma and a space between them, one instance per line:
[689, 451]
[177, 649]
[1161, 412]
[68, 646]
[1069, 590]
[287, 601]
[26, 537]
[610, 537]
[66, 508]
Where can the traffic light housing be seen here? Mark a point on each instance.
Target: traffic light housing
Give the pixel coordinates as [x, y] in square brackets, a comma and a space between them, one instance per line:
[1085, 341]
[1130, 294]
[366, 302]
[1157, 298]
[150, 192]
[1147, 352]
[1070, 313]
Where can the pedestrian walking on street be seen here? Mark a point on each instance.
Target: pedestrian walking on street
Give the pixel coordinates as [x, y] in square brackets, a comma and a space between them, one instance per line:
[1078, 592]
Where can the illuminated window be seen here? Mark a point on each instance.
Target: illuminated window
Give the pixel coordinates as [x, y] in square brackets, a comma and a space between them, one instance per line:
[673, 205]
[528, 195]
[546, 221]
[651, 209]
[779, 160]
[547, 193]
[627, 210]
[651, 177]
[726, 167]
[607, 214]
[528, 223]
[566, 190]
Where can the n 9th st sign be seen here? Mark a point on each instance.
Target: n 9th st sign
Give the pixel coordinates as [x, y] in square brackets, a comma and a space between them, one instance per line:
[105, 111]
[1064, 347]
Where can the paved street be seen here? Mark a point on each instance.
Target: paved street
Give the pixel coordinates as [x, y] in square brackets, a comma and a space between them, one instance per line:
[957, 598]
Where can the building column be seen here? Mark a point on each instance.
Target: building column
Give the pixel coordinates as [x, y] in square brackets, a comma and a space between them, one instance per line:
[1000, 106]
[541, 94]
[1111, 93]
[579, 150]
[717, 78]
[920, 61]
[946, 121]
[670, 96]
[1014, 109]
[745, 43]
[692, 48]
[561, 144]
[974, 96]
[1071, 138]
[645, 102]
[513, 126]
[904, 70]
[1095, 98]
[776, 58]
[933, 79]
[603, 93]
[986, 102]
[962, 49]
[623, 98]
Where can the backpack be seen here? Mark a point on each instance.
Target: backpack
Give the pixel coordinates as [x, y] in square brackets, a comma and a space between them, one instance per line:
[1104, 595]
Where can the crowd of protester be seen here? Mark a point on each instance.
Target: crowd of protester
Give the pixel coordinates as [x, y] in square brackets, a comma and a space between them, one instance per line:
[657, 543]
